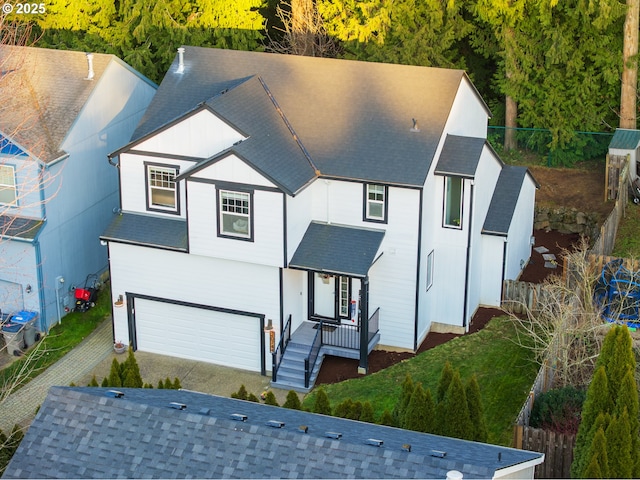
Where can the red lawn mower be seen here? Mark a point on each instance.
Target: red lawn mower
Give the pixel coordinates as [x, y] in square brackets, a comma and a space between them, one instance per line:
[86, 297]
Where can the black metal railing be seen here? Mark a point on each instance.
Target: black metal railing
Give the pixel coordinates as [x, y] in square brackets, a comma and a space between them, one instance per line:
[374, 324]
[314, 351]
[278, 353]
[348, 336]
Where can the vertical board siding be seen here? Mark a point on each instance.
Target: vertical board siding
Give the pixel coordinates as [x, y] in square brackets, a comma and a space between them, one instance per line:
[557, 449]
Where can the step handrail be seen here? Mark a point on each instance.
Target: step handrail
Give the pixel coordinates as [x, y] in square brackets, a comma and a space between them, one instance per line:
[314, 351]
[278, 353]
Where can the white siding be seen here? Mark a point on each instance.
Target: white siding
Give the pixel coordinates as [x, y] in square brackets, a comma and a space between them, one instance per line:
[202, 135]
[232, 169]
[299, 215]
[520, 231]
[268, 231]
[468, 115]
[491, 267]
[191, 278]
[294, 299]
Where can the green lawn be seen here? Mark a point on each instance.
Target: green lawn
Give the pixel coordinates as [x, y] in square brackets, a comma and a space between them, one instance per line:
[628, 236]
[61, 339]
[505, 372]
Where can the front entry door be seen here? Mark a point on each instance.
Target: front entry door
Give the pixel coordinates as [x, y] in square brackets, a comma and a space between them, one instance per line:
[332, 297]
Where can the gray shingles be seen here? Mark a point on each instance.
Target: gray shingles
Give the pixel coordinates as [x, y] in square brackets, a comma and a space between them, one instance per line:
[504, 199]
[460, 156]
[20, 227]
[337, 249]
[365, 109]
[229, 448]
[147, 230]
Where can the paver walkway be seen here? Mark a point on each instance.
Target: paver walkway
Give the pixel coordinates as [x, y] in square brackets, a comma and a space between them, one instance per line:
[80, 361]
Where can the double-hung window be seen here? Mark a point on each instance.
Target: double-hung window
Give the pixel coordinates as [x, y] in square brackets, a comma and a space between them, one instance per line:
[7, 184]
[453, 202]
[235, 214]
[162, 194]
[375, 207]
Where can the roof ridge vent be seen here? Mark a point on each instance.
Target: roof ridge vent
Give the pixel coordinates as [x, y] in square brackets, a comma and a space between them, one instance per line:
[334, 435]
[374, 442]
[275, 423]
[438, 453]
[90, 72]
[114, 393]
[177, 405]
[238, 417]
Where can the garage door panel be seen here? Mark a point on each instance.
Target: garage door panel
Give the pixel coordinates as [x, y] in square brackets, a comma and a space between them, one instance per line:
[198, 334]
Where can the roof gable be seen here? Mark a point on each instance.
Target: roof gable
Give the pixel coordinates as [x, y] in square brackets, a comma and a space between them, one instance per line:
[355, 119]
[504, 200]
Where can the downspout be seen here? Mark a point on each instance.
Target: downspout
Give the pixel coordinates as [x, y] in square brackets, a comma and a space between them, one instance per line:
[468, 264]
[418, 262]
[504, 268]
[44, 324]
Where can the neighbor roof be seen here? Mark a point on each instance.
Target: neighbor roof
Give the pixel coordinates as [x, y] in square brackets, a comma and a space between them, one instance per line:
[354, 118]
[625, 139]
[80, 432]
[337, 249]
[48, 89]
[504, 200]
[460, 156]
[147, 230]
[17, 228]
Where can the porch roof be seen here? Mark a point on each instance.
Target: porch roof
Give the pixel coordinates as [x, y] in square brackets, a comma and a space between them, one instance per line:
[337, 249]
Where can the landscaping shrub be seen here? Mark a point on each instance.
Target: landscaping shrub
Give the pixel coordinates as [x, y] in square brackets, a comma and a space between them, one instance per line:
[322, 404]
[558, 410]
[292, 401]
[270, 399]
[241, 394]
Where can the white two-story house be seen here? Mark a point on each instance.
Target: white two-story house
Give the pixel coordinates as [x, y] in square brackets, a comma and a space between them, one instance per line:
[262, 193]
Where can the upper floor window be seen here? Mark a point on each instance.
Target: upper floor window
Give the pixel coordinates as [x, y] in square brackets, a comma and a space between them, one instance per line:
[453, 202]
[162, 190]
[235, 214]
[375, 207]
[7, 184]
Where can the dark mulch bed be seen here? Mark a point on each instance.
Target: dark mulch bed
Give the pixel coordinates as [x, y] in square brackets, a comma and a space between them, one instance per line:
[336, 369]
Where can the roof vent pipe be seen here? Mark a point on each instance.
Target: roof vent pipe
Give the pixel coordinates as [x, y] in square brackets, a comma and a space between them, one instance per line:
[90, 73]
[454, 475]
[180, 59]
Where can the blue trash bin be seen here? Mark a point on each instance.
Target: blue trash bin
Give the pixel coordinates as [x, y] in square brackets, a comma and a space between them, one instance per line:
[13, 334]
[28, 320]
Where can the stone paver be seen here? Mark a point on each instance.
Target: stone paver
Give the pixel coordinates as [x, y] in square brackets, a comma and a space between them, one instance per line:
[21, 406]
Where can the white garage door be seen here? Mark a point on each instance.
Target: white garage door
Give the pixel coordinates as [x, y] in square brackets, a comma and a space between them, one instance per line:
[198, 334]
[11, 299]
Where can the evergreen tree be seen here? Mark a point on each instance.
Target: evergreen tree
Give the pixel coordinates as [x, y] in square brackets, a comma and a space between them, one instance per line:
[322, 404]
[161, 385]
[270, 399]
[241, 394]
[176, 383]
[93, 382]
[129, 380]
[367, 414]
[130, 371]
[476, 413]
[618, 437]
[115, 379]
[343, 409]
[105, 382]
[251, 397]
[355, 411]
[387, 418]
[456, 411]
[417, 416]
[168, 384]
[292, 401]
[597, 456]
[403, 401]
[443, 383]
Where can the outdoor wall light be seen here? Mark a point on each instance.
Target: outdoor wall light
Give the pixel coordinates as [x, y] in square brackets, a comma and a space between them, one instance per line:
[28, 288]
[120, 301]
[269, 325]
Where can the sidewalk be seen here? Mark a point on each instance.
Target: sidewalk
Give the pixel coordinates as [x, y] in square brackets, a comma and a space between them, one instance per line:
[20, 407]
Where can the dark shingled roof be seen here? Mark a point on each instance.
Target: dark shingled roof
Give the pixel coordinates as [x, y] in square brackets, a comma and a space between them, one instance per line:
[625, 139]
[149, 231]
[271, 148]
[504, 199]
[354, 118]
[19, 227]
[337, 249]
[460, 156]
[81, 432]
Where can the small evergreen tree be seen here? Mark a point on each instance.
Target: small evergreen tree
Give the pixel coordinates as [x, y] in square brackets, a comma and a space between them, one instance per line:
[456, 410]
[476, 413]
[443, 383]
[292, 401]
[387, 418]
[105, 382]
[270, 399]
[161, 385]
[355, 411]
[168, 384]
[343, 409]
[417, 417]
[403, 401]
[251, 397]
[176, 384]
[367, 414]
[115, 380]
[130, 371]
[241, 394]
[618, 437]
[597, 456]
[93, 382]
[322, 404]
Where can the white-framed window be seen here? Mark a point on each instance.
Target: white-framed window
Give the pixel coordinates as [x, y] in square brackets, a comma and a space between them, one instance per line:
[162, 192]
[375, 203]
[7, 184]
[453, 202]
[235, 214]
[344, 297]
[430, 269]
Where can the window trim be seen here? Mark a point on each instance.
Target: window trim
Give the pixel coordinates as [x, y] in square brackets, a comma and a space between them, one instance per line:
[430, 263]
[445, 200]
[219, 214]
[14, 202]
[147, 177]
[365, 203]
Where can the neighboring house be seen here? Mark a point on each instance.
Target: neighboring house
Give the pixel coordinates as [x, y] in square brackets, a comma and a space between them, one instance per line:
[262, 193]
[148, 433]
[61, 113]
[627, 142]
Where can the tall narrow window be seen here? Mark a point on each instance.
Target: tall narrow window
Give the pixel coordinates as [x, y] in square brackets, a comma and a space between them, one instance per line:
[162, 188]
[7, 184]
[453, 202]
[344, 296]
[429, 269]
[375, 208]
[235, 214]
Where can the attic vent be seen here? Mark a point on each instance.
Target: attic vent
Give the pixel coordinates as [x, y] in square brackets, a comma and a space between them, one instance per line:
[374, 442]
[178, 406]
[204, 411]
[90, 73]
[334, 435]
[406, 447]
[438, 453]
[303, 428]
[181, 60]
[238, 417]
[114, 394]
[415, 126]
[275, 424]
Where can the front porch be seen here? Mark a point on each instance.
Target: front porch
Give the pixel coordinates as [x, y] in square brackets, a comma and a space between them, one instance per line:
[298, 357]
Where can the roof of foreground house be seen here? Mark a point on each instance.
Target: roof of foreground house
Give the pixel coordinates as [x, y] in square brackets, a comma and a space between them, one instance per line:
[354, 119]
[84, 432]
[48, 89]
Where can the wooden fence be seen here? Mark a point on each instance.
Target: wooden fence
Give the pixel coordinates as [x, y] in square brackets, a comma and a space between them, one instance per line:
[613, 168]
[606, 239]
[557, 449]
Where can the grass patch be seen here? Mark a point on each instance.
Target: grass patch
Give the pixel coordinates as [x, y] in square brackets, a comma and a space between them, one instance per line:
[505, 373]
[74, 328]
[628, 237]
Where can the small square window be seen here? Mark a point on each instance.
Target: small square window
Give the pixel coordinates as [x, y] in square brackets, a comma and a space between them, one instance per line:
[235, 214]
[375, 203]
[162, 188]
[7, 184]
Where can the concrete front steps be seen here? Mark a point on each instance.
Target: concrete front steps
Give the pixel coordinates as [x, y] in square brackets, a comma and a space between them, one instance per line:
[290, 374]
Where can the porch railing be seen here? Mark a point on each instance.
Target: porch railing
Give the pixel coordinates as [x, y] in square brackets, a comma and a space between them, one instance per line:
[314, 351]
[278, 353]
[348, 336]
